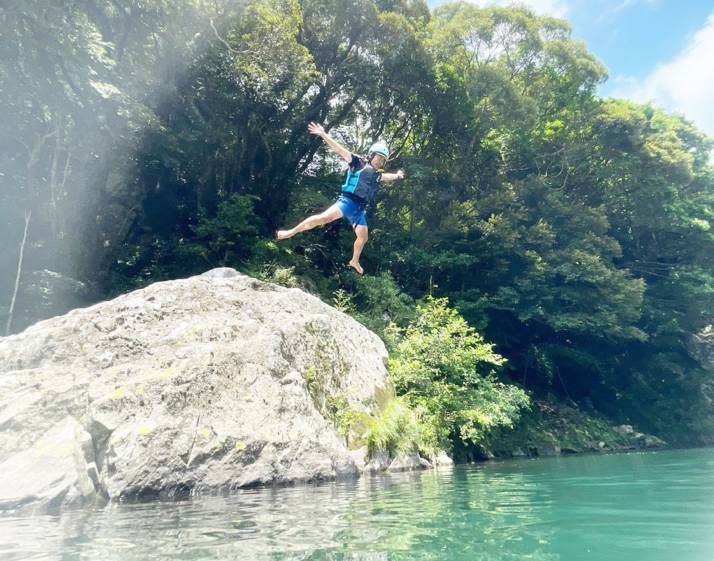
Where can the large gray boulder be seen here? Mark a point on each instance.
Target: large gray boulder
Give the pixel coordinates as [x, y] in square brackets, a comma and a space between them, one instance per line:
[208, 383]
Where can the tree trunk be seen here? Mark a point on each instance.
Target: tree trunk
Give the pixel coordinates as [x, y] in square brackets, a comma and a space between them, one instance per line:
[53, 178]
[28, 214]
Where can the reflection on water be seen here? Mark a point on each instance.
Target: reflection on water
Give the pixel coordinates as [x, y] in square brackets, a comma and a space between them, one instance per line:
[654, 507]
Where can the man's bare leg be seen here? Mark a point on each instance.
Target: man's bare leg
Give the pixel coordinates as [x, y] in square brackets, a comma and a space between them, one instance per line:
[330, 215]
[362, 234]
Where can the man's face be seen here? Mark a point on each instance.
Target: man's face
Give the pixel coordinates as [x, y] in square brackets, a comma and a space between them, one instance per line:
[378, 161]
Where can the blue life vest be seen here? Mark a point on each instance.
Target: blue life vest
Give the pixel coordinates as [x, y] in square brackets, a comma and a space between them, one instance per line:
[363, 183]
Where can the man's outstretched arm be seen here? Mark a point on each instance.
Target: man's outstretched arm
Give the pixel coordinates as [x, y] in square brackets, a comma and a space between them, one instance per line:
[316, 128]
[393, 176]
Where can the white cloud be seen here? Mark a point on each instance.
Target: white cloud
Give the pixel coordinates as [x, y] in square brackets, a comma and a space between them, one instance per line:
[555, 8]
[685, 84]
[622, 5]
[625, 4]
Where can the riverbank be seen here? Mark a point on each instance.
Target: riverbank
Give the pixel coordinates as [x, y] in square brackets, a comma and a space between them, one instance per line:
[553, 428]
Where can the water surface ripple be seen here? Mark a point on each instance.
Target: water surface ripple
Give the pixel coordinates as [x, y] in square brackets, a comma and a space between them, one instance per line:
[627, 507]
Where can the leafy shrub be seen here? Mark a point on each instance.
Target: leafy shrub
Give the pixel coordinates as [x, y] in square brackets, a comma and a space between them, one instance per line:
[444, 370]
[377, 302]
[395, 430]
[284, 276]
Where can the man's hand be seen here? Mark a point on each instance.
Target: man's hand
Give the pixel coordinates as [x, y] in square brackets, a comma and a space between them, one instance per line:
[341, 151]
[393, 176]
[316, 128]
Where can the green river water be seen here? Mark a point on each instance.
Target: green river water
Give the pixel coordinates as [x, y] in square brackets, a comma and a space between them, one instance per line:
[623, 507]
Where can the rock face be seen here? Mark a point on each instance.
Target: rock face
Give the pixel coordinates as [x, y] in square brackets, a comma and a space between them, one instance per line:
[213, 382]
[701, 347]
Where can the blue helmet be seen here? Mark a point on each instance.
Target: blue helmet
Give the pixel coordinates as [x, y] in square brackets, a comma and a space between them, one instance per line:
[379, 148]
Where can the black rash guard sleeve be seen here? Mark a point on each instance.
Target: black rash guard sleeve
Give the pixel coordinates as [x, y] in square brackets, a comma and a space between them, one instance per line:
[357, 162]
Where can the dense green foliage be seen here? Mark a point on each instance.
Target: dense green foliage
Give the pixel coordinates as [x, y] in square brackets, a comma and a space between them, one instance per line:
[445, 371]
[150, 140]
[396, 430]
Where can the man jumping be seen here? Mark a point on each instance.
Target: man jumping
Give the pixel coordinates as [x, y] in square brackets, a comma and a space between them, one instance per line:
[359, 190]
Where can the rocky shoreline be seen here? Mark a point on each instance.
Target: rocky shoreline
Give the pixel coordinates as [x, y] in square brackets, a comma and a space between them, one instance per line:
[208, 384]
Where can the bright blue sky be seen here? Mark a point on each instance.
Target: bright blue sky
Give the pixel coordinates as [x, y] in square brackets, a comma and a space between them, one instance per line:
[655, 50]
[641, 35]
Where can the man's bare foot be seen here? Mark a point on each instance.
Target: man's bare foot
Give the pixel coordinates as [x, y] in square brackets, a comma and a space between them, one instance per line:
[356, 266]
[282, 234]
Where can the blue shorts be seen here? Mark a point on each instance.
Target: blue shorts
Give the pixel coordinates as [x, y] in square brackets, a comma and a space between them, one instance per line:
[354, 212]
